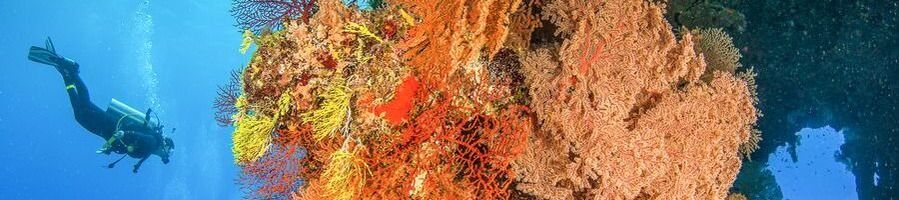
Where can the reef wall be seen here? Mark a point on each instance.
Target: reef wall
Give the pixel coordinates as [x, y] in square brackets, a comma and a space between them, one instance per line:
[486, 99]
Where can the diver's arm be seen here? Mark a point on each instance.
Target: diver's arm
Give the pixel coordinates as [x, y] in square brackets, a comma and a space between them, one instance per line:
[140, 162]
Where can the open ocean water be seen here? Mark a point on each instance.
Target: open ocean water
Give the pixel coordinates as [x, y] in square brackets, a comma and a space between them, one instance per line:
[166, 55]
[828, 83]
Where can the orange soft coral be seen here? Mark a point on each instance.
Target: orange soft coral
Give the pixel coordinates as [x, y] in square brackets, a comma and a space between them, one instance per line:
[453, 34]
[397, 110]
[641, 109]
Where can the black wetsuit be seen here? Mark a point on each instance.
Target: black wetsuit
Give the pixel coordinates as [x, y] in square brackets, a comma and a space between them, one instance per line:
[141, 138]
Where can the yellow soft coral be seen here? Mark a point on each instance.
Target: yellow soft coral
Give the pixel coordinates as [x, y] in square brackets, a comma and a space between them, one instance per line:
[361, 30]
[251, 137]
[246, 42]
[332, 112]
[344, 175]
[360, 55]
[407, 18]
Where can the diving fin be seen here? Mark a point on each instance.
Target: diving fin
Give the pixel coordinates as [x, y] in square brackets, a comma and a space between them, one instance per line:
[49, 45]
[42, 55]
[46, 55]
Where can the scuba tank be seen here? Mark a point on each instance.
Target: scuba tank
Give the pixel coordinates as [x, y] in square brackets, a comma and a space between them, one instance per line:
[127, 116]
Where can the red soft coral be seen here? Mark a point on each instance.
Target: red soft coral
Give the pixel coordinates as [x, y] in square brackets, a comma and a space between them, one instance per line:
[397, 110]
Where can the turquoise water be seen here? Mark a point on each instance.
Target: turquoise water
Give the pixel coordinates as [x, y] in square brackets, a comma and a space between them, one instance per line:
[828, 85]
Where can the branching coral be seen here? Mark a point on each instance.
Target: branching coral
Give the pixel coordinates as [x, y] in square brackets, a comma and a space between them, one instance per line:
[462, 28]
[276, 175]
[642, 110]
[751, 144]
[224, 104]
[718, 50]
[487, 147]
[260, 15]
[522, 24]
[566, 14]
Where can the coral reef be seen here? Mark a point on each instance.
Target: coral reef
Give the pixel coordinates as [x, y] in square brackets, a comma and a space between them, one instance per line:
[454, 100]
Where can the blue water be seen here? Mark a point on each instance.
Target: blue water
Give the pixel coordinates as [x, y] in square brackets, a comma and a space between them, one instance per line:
[168, 55]
[815, 174]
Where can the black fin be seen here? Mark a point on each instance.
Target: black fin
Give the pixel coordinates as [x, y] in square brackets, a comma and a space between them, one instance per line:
[46, 55]
[49, 45]
[42, 56]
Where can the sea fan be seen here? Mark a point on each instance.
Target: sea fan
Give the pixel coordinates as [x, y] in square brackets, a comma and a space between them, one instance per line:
[719, 51]
[227, 97]
[261, 15]
[275, 175]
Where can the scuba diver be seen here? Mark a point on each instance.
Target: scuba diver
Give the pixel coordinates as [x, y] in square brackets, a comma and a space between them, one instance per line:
[126, 131]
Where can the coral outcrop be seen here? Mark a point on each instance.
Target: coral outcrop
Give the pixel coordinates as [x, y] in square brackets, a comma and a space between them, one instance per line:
[468, 99]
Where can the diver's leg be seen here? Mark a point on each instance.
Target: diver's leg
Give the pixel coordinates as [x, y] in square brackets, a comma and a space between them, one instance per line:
[73, 90]
[82, 89]
[78, 94]
[89, 115]
[73, 80]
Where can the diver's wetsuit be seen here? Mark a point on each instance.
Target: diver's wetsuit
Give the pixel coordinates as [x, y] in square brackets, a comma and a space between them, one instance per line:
[88, 114]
